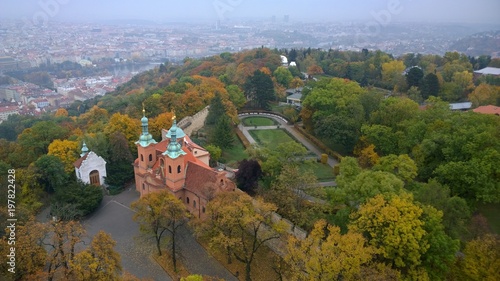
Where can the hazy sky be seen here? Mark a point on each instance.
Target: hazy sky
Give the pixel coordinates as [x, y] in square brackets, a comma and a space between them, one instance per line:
[479, 11]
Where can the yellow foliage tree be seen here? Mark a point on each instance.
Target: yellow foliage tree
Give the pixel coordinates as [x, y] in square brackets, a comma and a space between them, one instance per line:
[65, 150]
[129, 127]
[237, 225]
[482, 259]
[368, 157]
[99, 262]
[395, 228]
[485, 94]
[392, 72]
[162, 121]
[326, 254]
[61, 112]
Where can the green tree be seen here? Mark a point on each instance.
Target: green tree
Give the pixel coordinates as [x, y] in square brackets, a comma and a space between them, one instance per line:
[401, 166]
[222, 135]
[215, 152]
[119, 166]
[414, 77]
[158, 214]
[283, 76]
[259, 88]
[236, 96]
[51, 172]
[430, 86]
[216, 110]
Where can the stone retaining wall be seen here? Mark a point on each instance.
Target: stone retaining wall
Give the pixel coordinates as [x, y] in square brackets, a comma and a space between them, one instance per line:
[193, 123]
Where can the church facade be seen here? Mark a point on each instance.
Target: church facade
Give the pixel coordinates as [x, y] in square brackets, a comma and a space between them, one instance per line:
[177, 165]
[90, 168]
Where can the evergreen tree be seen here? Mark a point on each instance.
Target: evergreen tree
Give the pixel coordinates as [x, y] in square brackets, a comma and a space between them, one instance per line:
[430, 86]
[216, 110]
[223, 136]
[414, 77]
[120, 169]
[260, 89]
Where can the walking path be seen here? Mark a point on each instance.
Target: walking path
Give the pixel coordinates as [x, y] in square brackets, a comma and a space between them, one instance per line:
[283, 124]
[115, 217]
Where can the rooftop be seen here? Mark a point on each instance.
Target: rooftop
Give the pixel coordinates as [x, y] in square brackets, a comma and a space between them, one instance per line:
[488, 109]
[488, 71]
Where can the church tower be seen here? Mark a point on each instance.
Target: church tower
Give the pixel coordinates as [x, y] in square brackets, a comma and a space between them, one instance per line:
[145, 149]
[172, 161]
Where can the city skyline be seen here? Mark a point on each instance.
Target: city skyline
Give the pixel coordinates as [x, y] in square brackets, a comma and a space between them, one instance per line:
[386, 11]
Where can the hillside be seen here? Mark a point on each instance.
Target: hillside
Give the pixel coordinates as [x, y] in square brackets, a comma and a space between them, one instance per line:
[484, 43]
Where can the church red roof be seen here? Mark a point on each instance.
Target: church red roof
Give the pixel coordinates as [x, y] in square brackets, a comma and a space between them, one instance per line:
[78, 163]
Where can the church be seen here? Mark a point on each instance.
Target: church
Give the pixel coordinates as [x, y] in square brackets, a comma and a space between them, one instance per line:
[178, 165]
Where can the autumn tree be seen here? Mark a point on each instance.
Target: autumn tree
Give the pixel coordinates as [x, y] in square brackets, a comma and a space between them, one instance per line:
[66, 151]
[61, 240]
[392, 73]
[98, 262]
[326, 254]
[482, 258]
[288, 193]
[485, 94]
[394, 228]
[30, 257]
[215, 153]
[162, 121]
[158, 214]
[237, 224]
[129, 127]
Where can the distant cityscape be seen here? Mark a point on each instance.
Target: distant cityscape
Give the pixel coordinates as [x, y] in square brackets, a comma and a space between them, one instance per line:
[123, 50]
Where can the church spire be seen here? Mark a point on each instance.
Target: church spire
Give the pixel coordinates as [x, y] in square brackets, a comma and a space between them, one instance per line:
[174, 148]
[146, 138]
[85, 149]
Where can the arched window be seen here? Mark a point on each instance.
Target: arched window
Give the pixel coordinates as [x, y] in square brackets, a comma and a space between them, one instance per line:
[187, 200]
[179, 169]
[150, 157]
[221, 182]
[142, 158]
[203, 209]
[194, 203]
[169, 169]
[143, 187]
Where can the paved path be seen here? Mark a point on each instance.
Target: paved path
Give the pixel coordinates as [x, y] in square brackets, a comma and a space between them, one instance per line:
[115, 217]
[283, 124]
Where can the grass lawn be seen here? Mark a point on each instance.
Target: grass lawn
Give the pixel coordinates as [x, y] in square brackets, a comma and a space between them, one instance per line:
[271, 138]
[491, 211]
[235, 153]
[259, 121]
[322, 171]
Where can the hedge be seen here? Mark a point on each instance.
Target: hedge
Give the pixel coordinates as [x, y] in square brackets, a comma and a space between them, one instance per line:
[242, 138]
[319, 144]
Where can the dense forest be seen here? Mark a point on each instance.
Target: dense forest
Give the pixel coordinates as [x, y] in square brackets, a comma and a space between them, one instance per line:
[413, 175]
